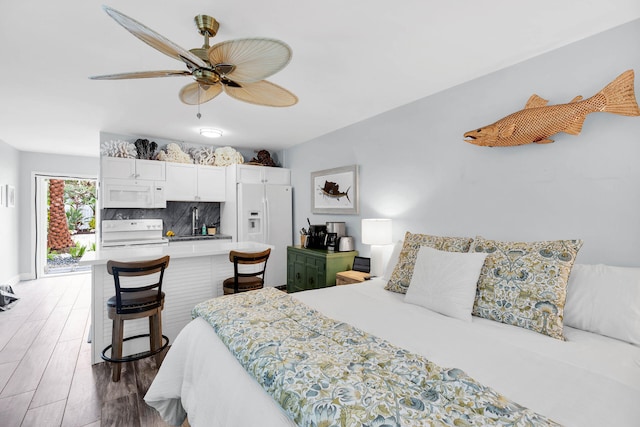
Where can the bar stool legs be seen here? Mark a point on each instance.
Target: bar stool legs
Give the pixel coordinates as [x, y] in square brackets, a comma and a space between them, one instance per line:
[157, 341]
[116, 349]
[155, 334]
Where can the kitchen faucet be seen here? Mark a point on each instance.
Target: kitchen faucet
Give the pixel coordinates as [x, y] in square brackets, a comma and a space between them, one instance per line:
[194, 220]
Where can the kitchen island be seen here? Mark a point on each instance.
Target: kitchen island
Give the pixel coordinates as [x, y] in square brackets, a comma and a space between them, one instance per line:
[195, 273]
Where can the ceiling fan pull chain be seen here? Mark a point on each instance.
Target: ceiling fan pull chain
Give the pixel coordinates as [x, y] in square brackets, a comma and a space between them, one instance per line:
[199, 115]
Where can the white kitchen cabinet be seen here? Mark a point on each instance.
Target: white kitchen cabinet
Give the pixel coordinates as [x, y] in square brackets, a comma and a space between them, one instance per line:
[249, 174]
[211, 183]
[182, 182]
[194, 183]
[121, 168]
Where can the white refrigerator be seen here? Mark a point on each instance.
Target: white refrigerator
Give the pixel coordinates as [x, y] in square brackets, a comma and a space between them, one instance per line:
[265, 216]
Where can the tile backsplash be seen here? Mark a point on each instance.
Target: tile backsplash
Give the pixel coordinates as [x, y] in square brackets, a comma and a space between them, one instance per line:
[176, 216]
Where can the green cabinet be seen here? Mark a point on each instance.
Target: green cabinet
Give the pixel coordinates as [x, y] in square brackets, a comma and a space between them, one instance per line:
[315, 268]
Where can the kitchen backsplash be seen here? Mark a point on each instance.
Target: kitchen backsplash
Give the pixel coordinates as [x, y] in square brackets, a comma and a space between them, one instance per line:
[176, 216]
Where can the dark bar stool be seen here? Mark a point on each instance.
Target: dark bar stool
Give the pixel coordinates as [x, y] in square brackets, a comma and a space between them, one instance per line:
[135, 302]
[243, 281]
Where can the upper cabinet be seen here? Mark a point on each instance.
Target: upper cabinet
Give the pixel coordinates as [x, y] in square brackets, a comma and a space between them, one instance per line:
[182, 182]
[248, 174]
[135, 169]
[195, 183]
[211, 183]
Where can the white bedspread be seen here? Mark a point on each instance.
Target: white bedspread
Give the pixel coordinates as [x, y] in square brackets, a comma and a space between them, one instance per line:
[588, 380]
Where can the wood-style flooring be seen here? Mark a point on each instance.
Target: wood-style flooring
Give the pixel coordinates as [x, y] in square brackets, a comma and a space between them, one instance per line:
[46, 376]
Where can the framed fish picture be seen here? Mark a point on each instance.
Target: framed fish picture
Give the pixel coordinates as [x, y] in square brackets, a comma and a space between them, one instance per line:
[335, 191]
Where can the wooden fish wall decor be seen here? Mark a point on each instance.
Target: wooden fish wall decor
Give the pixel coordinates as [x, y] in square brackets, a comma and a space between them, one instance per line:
[538, 121]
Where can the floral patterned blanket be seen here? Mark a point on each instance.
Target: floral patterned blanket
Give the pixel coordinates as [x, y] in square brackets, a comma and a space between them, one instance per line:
[327, 373]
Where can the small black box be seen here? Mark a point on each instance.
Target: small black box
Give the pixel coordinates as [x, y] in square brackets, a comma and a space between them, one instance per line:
[362, 264]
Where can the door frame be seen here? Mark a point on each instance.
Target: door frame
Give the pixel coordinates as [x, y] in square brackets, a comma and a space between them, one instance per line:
[38, 220]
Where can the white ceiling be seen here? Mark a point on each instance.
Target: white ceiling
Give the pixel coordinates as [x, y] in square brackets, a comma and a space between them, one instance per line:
[352, 59]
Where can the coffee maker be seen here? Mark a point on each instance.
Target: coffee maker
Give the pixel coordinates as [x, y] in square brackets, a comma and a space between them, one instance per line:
[331, 241]
[335, 230]
[317, 237]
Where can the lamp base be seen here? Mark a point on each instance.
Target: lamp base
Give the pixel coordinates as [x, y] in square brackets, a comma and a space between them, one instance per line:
[377, 260]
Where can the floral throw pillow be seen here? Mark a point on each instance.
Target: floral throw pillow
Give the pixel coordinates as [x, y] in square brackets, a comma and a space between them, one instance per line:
[525, 284]
[403, 271]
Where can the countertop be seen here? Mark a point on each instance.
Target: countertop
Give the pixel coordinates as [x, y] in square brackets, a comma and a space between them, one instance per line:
[181, 249]
[199, 237]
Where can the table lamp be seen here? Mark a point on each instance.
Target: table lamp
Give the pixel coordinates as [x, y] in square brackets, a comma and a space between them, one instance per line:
[377, 233]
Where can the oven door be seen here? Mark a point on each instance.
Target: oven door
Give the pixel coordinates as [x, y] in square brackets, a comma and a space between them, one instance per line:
[124, 193]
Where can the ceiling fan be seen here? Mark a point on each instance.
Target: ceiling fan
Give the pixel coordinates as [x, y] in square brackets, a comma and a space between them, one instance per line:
[237, 67]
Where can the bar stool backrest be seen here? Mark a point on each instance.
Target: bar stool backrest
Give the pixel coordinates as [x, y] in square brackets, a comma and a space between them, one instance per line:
[151, 293]
[245, 258]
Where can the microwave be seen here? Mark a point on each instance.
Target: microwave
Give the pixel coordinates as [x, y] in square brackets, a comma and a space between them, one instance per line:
[125, 193]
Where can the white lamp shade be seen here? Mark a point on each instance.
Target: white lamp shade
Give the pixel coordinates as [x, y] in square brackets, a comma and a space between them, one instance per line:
[376, 231]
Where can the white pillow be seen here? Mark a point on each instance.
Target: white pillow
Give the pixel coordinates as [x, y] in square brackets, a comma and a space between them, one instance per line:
[393, 260]
[445, 282]
[605, 300]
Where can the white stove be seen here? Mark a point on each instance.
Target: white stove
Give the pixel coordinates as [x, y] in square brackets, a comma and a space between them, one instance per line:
[130, 232]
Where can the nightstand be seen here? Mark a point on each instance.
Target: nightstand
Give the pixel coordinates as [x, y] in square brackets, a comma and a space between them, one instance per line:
[351, 276]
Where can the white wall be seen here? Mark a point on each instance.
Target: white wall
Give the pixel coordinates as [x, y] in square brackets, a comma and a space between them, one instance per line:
[42, 163]
[416, 169]
[9, 272]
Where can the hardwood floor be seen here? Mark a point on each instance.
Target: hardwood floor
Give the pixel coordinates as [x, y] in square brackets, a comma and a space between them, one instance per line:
[46, 377]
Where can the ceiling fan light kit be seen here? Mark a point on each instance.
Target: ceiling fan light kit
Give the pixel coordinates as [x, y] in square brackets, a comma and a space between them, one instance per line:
[237, 67]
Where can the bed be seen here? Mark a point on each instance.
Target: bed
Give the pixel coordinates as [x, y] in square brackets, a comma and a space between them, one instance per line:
[584, 379]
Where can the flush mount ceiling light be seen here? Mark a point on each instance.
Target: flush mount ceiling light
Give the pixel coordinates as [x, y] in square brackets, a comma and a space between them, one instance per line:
[211, 133]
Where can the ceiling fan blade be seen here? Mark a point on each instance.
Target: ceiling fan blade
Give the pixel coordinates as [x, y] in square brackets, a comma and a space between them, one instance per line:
[154, 39]
[253, 59]
[195, 93]
[142, 75]
[262, 93]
